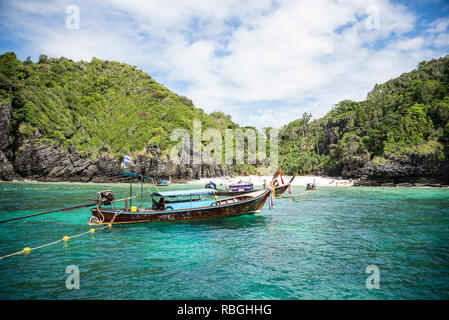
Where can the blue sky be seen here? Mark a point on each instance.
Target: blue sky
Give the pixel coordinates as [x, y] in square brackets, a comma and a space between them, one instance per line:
[263, 62]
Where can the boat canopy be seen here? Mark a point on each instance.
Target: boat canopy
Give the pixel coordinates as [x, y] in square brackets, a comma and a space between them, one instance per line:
[241, 185]
[184, 193]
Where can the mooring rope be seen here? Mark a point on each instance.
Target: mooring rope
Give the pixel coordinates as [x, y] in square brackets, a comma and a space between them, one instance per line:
[51, 211]
[65, 239]
[148, 187]
[153, 182]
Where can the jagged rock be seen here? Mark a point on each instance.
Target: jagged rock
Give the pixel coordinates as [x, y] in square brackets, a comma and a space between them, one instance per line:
[6, 168]
[411, 170]
[5, 126]
[42, 161]
[154, 150]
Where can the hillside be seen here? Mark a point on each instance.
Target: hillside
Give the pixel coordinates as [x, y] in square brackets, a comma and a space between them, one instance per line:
[58, 110]
[398, 135]
[64, 120]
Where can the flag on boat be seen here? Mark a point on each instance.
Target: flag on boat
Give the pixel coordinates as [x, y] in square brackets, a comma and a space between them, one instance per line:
[126, 161]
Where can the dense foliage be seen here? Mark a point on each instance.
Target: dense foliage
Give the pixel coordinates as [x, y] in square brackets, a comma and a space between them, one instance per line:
[404, 116]
[111, 108]
[99, 107]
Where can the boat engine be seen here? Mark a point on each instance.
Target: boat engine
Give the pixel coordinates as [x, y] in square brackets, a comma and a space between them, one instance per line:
[106, 197]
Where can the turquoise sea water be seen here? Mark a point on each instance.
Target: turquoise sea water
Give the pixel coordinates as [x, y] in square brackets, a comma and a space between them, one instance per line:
[315, 246]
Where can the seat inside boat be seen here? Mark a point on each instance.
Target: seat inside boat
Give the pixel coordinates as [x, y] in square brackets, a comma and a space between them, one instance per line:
[184, 199]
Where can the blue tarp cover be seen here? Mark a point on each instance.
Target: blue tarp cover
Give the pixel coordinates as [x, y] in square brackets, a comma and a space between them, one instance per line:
[188, 193]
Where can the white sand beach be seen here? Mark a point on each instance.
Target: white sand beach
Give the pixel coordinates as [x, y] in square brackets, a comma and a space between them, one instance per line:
[259, 181]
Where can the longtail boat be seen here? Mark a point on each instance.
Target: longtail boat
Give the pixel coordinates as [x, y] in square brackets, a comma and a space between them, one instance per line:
[282, 188]
[279, 189]
[310, 187]
[162, 183]
[177, 206]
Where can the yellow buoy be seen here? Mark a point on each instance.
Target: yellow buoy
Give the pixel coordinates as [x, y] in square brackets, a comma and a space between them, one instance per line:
[65, 238]
[26, 250]
[133, 209]
[92, 230]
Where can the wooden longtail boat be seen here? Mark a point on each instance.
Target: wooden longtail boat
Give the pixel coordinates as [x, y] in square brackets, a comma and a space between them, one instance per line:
[311, 187]
[278, 190]
[162, 183]
[197, 209]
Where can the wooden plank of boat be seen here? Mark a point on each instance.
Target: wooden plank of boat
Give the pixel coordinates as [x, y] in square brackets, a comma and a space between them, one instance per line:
[225, 193]
[229, 207]
[281, 189]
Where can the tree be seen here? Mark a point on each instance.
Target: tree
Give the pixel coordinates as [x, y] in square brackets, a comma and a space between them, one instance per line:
[43, 58]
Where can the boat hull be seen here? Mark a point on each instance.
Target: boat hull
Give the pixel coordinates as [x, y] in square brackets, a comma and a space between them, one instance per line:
[230, 207]
[278, 190]
[281, 189]
[223, 193]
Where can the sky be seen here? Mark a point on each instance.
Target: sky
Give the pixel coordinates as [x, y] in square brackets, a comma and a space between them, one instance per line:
[264, 62]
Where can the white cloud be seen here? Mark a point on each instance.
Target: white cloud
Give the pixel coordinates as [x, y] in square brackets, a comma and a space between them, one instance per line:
[408, 44]
[264, 62]
[442, 40]
[439, 25]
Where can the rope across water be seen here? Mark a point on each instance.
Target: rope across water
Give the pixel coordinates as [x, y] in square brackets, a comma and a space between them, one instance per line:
[65, 238]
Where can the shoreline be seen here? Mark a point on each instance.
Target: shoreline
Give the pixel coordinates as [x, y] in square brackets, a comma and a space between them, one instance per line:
[302, 181]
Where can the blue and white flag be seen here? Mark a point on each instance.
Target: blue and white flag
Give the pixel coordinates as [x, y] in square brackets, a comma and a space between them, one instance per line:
[126, 160]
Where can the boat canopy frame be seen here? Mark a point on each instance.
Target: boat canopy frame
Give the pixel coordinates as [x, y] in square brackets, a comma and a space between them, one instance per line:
[185, 193]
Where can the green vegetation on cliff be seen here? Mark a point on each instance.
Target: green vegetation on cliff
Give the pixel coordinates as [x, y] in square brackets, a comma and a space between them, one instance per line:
[405, 116]
[111, 108]
[99, 107]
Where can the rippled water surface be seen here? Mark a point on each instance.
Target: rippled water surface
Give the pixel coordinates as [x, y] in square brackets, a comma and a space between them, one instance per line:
[313, 246]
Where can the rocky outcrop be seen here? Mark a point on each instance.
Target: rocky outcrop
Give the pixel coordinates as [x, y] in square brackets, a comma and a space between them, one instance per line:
[5, 126]
[408, 170]
[48, 163]
[33, 159]
[411, 170]
[6, 168]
